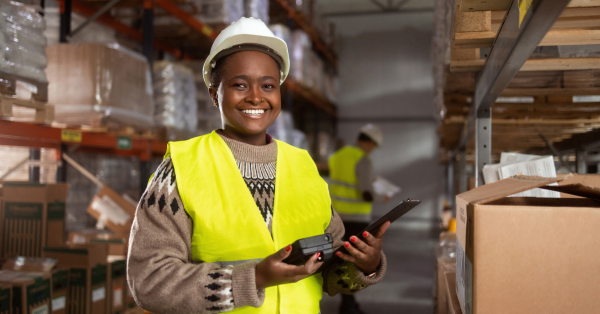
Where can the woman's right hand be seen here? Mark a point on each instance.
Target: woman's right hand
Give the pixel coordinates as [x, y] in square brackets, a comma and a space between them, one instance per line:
[272, 271]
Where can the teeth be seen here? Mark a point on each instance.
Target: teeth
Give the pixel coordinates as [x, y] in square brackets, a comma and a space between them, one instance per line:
[254, 111]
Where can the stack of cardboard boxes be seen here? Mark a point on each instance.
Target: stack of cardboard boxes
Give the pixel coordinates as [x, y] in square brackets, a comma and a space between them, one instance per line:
[89, 275]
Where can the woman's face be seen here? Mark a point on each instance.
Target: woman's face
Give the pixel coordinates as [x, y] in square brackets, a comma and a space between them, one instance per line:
[249, 95]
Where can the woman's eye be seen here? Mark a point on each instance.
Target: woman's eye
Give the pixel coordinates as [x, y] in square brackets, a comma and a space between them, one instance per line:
[269, 86]
[239, 85]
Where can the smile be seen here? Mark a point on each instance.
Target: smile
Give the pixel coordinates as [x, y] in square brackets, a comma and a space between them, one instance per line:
[253, 112]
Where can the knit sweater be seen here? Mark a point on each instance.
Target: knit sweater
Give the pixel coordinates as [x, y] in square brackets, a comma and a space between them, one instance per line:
[160, 271]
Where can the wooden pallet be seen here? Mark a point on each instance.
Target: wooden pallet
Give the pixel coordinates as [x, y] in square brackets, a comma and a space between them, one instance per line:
[9, 82]
[44, 113]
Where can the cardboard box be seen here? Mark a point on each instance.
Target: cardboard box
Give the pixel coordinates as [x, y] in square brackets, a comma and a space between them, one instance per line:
[452, 304]
[5, 298]
[117, 244]
[117, 284]
[34, 217]
[60, 290]
[528, 255]
[30, 291]
[113, 211]
[88, 271]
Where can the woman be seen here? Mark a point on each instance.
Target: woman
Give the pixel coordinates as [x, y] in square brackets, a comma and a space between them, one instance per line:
[199, 244]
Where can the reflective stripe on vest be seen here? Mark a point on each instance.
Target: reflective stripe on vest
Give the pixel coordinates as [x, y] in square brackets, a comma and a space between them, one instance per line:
[345, 194]
[229, 229]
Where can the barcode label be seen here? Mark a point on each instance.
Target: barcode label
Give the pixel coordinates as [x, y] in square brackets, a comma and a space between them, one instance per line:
[40, 310]
[98, 294]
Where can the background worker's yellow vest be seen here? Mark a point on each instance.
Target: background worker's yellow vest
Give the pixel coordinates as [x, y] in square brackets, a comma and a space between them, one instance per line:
[345, 195]
[228, 226]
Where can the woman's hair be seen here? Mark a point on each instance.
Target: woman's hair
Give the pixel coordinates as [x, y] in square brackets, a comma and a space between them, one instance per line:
[217, 73]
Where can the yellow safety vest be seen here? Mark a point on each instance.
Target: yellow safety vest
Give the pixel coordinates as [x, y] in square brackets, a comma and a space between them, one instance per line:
[345, 195]
[227, 226]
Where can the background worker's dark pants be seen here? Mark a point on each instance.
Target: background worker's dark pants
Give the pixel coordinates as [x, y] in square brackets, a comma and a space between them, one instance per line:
[352, 228]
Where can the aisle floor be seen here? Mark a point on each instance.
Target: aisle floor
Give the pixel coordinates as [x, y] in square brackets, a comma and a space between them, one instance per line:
[408, 284]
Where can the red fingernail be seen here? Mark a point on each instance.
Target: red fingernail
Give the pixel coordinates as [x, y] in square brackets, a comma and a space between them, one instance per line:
[338, 253]
[353, 238]
[365, 234]
[347, 244]
[288, 248]
[318, 255]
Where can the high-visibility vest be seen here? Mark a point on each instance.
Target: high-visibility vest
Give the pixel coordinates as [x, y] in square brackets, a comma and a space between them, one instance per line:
[345, 194]
[229, 229]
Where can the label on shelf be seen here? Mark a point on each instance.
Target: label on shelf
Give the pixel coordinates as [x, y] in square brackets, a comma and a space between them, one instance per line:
[524, 6]
[70, 136]
[124, 142]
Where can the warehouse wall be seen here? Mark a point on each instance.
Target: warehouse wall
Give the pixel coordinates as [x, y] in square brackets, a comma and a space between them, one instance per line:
[385, 78]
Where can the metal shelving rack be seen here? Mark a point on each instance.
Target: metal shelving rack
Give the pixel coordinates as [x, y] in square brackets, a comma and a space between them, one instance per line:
[40, 136]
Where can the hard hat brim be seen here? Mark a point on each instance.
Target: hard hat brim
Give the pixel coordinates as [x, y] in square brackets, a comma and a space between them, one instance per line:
[278, 45]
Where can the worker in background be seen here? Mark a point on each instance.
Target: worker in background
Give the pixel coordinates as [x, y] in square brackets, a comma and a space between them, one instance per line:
[352, 194]
[217, 219]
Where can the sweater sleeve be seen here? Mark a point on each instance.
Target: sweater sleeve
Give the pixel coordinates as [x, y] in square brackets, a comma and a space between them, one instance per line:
[342, 276]
[160, 272]
[365, 176]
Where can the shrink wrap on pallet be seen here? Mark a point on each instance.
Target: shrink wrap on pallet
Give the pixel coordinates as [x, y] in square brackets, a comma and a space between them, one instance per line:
[209, 116]
[175, 99]
[92, 33]
[300, 57]
[100, 85]
[283, 129]
[283, 32]
[219, 11]
[258, 9]
[22, 41]
[16, 161]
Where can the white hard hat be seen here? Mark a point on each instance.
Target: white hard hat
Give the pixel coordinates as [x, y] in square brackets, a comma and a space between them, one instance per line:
[247, 34]
[373, 132]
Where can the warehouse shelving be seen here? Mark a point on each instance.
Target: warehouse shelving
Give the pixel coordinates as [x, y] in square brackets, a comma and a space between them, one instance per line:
[532, 99]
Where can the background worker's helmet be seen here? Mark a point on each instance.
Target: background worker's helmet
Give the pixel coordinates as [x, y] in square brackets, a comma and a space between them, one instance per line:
[373, 132]
[247, 34]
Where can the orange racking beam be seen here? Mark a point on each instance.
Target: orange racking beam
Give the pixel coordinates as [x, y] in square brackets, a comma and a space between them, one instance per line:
[40, 136]
[88, 11]
[186, 18]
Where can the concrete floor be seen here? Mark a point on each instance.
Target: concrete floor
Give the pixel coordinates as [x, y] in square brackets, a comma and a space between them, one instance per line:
[409, 281]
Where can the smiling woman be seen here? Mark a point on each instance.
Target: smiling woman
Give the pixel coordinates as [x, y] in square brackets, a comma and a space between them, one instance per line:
[236, 199]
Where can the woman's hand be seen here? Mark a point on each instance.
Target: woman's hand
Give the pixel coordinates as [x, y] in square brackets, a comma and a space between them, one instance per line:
[365, 254]
[272, 271]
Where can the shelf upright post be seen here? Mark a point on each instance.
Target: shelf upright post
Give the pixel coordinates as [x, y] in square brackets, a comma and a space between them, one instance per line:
[148, 31]
[450, 191]
[462, 172]
[35, 155]
[61, 172]
[65, 20]
[483, 143]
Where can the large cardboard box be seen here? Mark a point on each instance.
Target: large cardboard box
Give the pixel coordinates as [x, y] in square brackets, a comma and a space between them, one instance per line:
[117, 284]
[60, 290]
[34, 217]
[88, 271]
[30, 291]
[528, 255]
[5, 298]
[452, 304]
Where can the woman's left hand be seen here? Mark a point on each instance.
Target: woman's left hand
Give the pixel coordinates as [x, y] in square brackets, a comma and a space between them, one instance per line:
[365, 254]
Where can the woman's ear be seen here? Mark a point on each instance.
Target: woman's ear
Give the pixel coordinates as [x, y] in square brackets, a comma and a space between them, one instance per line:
[213, 95]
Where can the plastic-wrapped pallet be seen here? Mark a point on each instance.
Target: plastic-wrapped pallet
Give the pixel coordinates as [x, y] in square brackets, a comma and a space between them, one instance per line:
[219, 11]
[300, 57]
[209, 116]
[22, 41]
[258, 9]
[92, 33]
[100, 85]
[283, 32]
[283, 129]
[175, 99]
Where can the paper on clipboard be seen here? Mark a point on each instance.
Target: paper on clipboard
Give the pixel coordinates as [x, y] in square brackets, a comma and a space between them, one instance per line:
[382, 186]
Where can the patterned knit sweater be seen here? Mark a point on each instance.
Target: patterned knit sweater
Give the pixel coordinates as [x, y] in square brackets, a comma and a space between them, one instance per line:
[163, 277]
